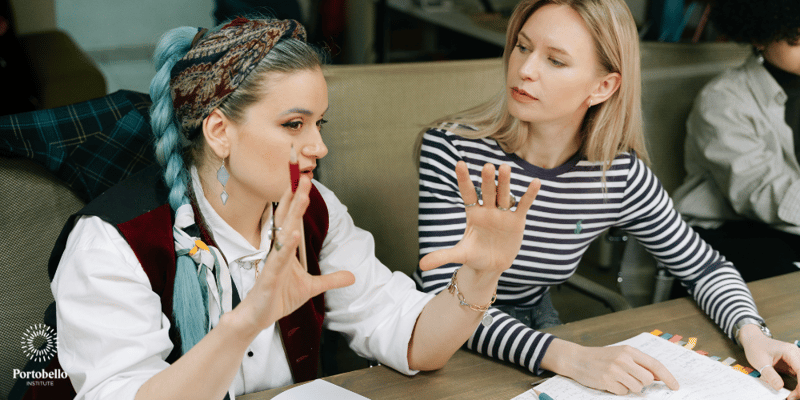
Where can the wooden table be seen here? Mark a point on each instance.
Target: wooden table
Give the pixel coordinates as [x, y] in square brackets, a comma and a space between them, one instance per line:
[471, 376]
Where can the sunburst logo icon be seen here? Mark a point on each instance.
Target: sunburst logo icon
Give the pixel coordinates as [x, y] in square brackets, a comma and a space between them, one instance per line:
[39, 343]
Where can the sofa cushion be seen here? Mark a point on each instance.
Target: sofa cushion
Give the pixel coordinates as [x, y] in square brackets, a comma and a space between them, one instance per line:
[35, 207]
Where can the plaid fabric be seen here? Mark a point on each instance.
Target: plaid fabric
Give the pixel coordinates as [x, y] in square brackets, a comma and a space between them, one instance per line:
[90, 145]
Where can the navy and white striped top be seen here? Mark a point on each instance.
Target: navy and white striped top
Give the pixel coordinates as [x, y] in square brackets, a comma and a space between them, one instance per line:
[570, 211]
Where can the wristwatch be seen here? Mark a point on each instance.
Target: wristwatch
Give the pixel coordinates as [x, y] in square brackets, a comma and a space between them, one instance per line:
[747, 321]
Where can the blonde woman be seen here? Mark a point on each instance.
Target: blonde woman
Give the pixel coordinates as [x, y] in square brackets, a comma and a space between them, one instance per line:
[570, 116]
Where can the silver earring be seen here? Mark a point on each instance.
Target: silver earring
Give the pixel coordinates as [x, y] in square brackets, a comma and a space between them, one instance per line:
[590, 103]
[222, 177]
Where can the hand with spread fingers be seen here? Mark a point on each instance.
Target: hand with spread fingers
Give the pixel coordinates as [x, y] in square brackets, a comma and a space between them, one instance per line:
[283, 285]
[491, 241]
[494, 230]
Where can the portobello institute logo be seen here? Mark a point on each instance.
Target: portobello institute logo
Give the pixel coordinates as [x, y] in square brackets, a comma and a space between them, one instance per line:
[39, 343]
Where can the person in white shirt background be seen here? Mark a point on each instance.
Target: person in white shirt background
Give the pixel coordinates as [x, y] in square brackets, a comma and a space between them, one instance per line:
[742, 189]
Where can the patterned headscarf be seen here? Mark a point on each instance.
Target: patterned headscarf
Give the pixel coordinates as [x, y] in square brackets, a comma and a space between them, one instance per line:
[219, 62]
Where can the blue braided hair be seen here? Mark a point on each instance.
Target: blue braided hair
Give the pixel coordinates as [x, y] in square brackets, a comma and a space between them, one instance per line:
[189, 304]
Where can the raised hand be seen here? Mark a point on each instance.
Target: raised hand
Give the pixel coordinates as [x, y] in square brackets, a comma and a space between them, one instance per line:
[283, 284]
[493, 234]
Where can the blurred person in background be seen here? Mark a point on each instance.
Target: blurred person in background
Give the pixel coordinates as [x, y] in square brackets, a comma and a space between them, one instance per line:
[742, 191]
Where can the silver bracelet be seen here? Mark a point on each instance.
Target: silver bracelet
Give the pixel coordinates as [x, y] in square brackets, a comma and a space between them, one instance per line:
[453, 289]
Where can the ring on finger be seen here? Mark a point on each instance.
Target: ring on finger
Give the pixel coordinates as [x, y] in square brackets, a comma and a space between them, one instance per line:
[278, 245]
[477, 198]
[762, 368]
[512, 201]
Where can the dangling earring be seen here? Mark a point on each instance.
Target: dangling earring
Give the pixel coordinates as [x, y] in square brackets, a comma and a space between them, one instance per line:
[759, 54]
[222, 177]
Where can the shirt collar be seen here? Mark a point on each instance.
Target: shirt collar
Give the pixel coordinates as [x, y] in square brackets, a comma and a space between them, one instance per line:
[765, 88]
[230, 242]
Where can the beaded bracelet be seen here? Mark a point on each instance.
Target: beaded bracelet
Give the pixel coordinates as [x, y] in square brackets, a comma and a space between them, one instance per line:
[453, 289]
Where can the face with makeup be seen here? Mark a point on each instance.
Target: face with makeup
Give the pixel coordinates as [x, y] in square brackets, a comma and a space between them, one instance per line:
[553, 69]
[290, 112]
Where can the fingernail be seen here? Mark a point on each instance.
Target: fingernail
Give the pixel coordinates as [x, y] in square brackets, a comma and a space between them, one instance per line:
[544, 396]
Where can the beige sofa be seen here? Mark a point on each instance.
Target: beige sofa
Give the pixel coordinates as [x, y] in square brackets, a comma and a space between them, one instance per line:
[375, 114]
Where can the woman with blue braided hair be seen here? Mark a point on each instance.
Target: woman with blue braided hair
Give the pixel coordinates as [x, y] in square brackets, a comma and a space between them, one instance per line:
[183, 281]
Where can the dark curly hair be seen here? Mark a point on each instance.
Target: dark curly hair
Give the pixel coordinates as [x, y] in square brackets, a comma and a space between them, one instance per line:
[758, 21]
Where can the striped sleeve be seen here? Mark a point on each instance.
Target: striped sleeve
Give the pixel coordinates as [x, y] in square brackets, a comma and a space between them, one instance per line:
[442, 221]
[648, 215]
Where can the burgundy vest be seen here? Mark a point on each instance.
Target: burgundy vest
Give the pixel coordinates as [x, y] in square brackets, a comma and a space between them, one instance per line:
[137, 207]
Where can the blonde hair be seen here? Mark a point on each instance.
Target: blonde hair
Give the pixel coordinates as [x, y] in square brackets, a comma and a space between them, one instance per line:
[609, 128]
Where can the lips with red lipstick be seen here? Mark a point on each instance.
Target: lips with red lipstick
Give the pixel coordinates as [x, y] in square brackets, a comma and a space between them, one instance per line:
[308, 171]
[521, 95]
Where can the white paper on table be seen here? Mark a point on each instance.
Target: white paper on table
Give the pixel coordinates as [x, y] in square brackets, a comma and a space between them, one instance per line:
[319, 389]
[700, 378]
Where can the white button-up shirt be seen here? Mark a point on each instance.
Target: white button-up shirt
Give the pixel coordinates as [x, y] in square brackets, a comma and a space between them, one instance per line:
[740, 158]
[113, 336]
